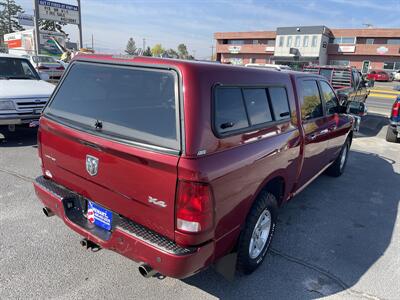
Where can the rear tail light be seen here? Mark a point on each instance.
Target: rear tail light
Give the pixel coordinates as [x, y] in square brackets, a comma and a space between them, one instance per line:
[194, 207]
[396, 109]
[43, 68]
[60, 68]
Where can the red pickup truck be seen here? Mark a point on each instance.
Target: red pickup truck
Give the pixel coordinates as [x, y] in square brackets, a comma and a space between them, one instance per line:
[179, 165]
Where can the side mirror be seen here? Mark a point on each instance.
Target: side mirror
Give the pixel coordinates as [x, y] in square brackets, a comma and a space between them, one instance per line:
[343, 98]
[364, 83]
[356, 108]
[44, 76]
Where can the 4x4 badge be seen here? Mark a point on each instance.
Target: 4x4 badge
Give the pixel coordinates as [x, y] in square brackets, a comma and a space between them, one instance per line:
[155, 201]
[92, 165]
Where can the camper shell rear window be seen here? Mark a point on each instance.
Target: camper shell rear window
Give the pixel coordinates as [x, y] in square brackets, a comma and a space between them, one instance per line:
[132, 103]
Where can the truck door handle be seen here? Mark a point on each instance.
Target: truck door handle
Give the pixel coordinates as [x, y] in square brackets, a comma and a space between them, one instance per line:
[325, 131]
[332, 128]
[312, 136]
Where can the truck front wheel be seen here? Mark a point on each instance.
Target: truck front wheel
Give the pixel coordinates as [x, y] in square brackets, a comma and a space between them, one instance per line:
[257, 234]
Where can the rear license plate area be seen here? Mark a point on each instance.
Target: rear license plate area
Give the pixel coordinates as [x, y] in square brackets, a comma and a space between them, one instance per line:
[99, 216]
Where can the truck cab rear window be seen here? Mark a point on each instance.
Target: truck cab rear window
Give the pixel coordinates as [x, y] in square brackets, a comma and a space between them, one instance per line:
[132, 103]
[238, 109]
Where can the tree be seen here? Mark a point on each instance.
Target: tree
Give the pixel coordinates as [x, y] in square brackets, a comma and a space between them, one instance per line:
[131, 47]
[183, 52]
[9, 11]
[171, 53]
[157, 50]
[147, 52]
[52, 26]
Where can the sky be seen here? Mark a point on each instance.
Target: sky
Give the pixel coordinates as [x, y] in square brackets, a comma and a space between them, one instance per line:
[193, 22]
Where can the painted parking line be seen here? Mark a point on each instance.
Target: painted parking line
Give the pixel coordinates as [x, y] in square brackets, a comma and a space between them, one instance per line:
[379, 95]
[389, 92]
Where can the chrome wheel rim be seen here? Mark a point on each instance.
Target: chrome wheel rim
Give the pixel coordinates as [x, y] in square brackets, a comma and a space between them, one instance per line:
[260, 234]
[343, 158]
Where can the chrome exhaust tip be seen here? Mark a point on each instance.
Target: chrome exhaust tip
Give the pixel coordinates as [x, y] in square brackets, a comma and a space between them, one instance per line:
[146, 271]
[47, 211]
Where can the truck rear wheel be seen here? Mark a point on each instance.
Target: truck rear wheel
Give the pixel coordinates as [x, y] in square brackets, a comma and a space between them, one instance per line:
[391, 135]
[257, 234]
[337, 168]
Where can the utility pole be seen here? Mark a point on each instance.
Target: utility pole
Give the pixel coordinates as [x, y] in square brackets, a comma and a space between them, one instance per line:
[212, 52]
[80, 25]
[92, 42]
[36, 24]
[144, 44]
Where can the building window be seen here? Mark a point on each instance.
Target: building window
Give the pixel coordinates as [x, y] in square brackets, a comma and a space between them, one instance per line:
[391, 65]
[271, 43]
[236, 42]
[289, 41]
[314, 41]
[393, 41]
[255, 42]
[343, 40]
[340, 62]
[297, 41]
[370, 41]
[252, 60]
[305, 41]
[281, 41]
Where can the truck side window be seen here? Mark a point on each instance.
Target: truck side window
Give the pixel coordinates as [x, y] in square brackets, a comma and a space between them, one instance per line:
[329, 97]
[257, 106]
[312, 106]
[230, 113]
[279, 101]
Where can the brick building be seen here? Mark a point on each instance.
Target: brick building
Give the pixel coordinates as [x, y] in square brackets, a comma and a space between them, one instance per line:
[370, 48]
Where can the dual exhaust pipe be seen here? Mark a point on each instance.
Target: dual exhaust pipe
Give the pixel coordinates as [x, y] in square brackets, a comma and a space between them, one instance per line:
[48, 212]
[144, 269]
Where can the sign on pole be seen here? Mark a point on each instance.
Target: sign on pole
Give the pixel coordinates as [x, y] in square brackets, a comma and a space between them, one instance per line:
[25, 20]
[59, 12]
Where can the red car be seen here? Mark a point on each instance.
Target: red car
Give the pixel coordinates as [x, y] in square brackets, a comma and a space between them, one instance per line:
[378, 75]
[179, 165]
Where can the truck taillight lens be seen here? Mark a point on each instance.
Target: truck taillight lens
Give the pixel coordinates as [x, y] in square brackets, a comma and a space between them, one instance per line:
[396, 109]
[194, 207]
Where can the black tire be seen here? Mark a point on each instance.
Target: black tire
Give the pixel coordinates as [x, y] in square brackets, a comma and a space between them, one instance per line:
[391, 135]
[337, 168]
[265, 201]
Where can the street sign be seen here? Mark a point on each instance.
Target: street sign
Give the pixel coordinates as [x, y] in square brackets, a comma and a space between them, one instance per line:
[59, 12]
[25, 20]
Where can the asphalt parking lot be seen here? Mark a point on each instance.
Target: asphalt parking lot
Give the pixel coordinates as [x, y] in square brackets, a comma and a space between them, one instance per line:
[339, 238]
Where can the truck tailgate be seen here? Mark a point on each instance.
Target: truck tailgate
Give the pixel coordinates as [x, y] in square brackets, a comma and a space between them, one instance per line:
[128, 180]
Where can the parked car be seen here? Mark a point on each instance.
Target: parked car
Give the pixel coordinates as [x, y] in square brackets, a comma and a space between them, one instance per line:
[48, 65]
[393, 131]
[396, 75]
[181, 178]
[269, 66]
[379, 75]
[23, 93]
[345, 80]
